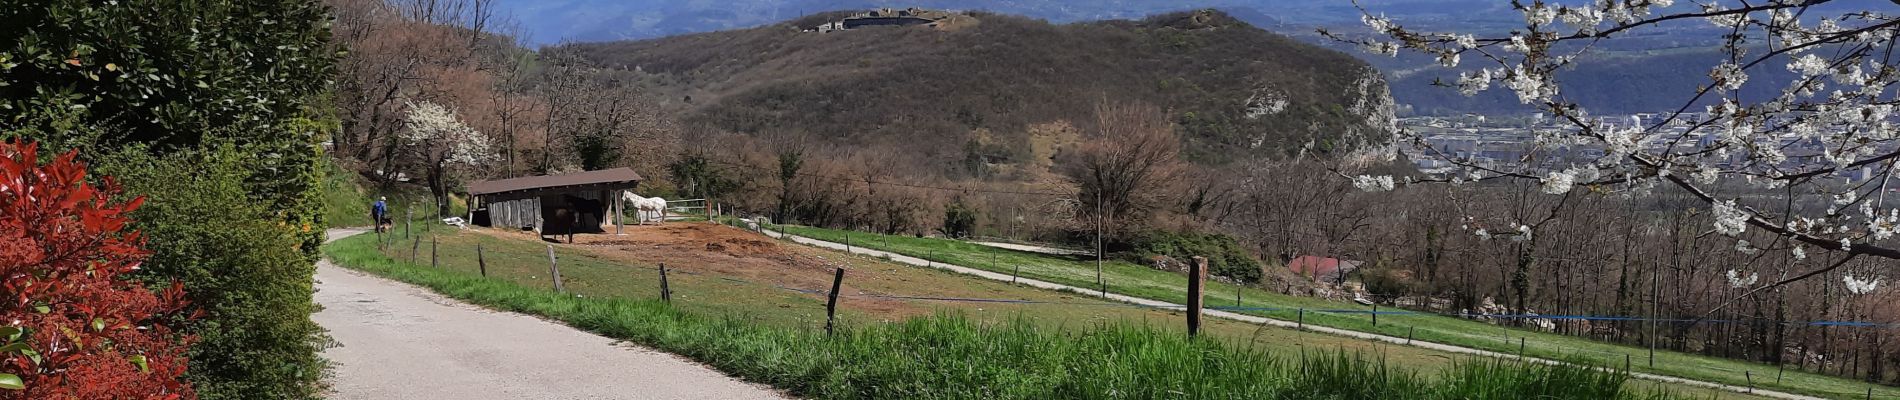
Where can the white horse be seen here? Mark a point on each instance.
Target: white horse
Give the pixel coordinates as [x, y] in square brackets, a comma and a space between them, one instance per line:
[645, 208]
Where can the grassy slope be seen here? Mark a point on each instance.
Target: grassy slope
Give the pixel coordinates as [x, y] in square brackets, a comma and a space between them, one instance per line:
[346, 198]
[1140, 281]
[951, 356]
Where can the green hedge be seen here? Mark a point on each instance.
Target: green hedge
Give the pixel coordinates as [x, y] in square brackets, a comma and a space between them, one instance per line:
[214, 110]
[1225, 256]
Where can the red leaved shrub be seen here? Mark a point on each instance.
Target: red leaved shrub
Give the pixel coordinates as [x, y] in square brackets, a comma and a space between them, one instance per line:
[87, 333]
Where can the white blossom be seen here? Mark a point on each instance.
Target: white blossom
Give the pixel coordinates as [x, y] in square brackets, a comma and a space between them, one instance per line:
[1730, 219]
[1448, 60]
[1729, 75]
[1466, 41]
[1808, 65]
[1799, 254]
[1736, 280]
[1858, 286]
[1523, 234]
[1707, 175]
[437, 128]
[1470, 84]
[1482, 234]
[1746, 248]
[1559, 182]
[1539, 14]
[1379, 23]
[1529, 88]
[1383, 183]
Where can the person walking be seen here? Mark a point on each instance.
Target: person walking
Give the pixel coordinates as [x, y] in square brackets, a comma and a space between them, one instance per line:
[379, 212]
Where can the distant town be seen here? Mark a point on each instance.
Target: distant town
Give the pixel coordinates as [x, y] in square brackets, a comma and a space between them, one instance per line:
[1505, 142]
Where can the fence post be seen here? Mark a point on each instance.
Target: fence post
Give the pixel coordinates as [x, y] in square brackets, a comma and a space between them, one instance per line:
[1409, 331]
[831, 305]
[1780, 368]
[554, 269]
[1237, 286]
[1302, 320]
[415, 246]
[1197, 277]
[666, 292]
[1626, 363]
[480, 260]
[1751, 380]
[434, 262]
[1375, 314]
[408, 219]
[1520, 347]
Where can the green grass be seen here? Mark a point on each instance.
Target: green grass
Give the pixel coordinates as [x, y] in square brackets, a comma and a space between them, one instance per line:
[1140, 281]
[948, 356]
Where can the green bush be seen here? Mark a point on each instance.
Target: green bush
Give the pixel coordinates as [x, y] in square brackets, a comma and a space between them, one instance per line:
[959, 220]
[1225, 257]
[213, 110]
[239, 263]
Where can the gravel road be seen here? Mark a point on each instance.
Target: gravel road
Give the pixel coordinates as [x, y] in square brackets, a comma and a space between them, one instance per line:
[398, 341]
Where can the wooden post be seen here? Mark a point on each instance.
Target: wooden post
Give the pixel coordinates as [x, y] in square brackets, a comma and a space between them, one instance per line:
[554, 269]
[831, 305]
[434, 262]
[620, 207]
[666, 292]
[1520, 347]
[1626, 363]
[1409, 331]
[1375, 314]
[1751, 380]
[415, 246]
[408, 219]
[1779, 369]
[847, 241]
[1302, 320]
[1197, 277]
[1098, 245]
[480, 260]
[1237, 287]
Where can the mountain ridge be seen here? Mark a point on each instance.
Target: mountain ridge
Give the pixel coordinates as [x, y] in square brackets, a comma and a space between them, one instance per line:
[961, 94]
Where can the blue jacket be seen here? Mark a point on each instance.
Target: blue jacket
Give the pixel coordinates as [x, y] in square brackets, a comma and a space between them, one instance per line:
[379, 208]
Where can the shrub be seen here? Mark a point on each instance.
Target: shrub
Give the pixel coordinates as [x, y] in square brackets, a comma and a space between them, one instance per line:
[79, 329]
[959, 220]
[218, 122]
[242, 266]
[1224, 255]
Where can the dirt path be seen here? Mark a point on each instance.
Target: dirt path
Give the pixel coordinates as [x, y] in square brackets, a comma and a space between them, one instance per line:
[398, 341]
[894, 257]
[1034, 248]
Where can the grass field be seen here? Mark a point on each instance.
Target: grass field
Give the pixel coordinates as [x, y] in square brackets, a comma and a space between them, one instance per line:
[1140, 281]
[774, 336]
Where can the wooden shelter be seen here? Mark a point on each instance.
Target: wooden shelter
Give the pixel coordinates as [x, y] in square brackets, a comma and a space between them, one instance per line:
[552, 204]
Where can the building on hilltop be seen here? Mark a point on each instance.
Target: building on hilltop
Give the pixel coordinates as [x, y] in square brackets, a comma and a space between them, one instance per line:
[885, 17]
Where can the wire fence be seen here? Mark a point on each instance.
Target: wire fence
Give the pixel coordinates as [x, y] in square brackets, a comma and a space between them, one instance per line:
[416, 249]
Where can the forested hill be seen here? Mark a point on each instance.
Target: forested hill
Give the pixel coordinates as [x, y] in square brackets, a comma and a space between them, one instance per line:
[976, 87]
